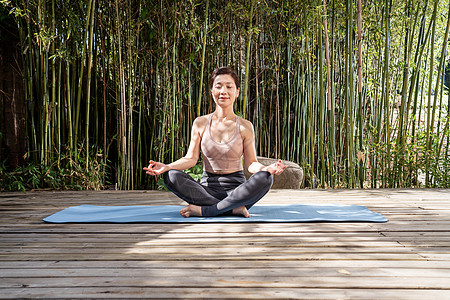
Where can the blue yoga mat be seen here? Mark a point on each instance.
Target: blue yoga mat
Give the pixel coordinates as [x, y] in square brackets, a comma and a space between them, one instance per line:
[259, 213]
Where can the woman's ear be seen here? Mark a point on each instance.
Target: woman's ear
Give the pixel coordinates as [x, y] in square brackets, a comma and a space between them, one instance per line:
[237, 92]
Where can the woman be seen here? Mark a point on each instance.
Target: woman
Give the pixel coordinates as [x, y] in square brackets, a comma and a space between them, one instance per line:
[223, 138]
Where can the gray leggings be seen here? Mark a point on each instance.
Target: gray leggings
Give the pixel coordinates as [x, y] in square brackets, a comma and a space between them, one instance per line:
[219, 193]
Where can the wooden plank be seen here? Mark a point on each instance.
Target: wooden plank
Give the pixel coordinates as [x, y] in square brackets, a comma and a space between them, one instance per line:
[225, 293]
[173, 243]
[231, 281]
[219, 251]
[204, 244]
[209, 236]
[309, 237]
[397, 226]
[226, 257]
[108, 234]
[218, 264]
[227, 272]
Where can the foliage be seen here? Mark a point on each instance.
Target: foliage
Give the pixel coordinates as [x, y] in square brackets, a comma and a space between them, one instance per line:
[33, 176]
[195, 172]
[71, 174]
[160, 184]
[129, 77]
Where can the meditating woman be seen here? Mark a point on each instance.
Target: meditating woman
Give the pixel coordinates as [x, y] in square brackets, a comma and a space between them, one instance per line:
[223, 138]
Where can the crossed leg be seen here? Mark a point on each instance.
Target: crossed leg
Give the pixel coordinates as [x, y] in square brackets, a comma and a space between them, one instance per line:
[243, 197]
[205, 202]
[186, 188]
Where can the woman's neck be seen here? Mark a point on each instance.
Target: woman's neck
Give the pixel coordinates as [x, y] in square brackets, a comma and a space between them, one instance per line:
[224, 113]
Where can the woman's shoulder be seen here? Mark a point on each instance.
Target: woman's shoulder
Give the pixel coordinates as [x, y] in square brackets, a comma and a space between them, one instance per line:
[245, 123]
[200, 123]
[202, 120]
[245, 127]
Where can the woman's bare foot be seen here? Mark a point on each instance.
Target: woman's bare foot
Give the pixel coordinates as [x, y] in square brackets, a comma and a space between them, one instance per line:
[241, 211]
[191, 211]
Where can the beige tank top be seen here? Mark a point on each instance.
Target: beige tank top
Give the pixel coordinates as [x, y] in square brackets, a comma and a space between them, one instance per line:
[222, 157]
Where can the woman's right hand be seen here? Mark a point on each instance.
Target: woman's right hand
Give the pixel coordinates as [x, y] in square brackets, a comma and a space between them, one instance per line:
[275, 168]
[156, 168]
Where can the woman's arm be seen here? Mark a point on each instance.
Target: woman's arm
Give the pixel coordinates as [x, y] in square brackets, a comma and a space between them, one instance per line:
[191, 157]
[248, 136]
[250, 161]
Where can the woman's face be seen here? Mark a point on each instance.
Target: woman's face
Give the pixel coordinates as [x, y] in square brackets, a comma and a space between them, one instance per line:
[224, 90]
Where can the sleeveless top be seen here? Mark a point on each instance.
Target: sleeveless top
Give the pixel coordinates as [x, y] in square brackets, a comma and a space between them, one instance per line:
[222, 157]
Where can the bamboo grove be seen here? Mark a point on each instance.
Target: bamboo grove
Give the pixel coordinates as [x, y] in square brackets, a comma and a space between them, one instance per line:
[352, 90]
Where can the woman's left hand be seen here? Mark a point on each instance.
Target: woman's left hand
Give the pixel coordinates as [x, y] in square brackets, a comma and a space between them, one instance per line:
[275, 168]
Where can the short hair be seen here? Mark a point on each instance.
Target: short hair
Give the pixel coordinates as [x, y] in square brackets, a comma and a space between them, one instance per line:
[224, 71]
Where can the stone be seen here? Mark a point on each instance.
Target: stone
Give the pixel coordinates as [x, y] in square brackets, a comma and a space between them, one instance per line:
[291, 178]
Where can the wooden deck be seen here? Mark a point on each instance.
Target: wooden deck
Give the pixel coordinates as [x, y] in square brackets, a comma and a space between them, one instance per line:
[406, 258]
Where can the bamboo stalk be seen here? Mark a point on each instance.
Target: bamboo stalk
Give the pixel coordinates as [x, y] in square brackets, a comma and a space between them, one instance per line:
[414, 88]
[205, 34]
[438, 82]
[332, 105]
[386, 96]
[46, 108]
[349, 97]
[131, 67]
[55, 131]
[431, 108]
[29, 89]
[404, 106]
[174, 98]
[311, 120]
[122, 141]
[327, 54]
[58, 114]
[360, 117]
[69, 111]
[287, 102]
[89, 78]
[321, 114]
[247, 60]
[80, 78]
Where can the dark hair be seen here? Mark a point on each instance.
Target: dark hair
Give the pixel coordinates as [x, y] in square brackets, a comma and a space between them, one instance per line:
[224, 71]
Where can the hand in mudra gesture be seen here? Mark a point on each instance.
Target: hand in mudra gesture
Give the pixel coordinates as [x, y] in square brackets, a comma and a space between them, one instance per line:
[275, 168]
[156, 168]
